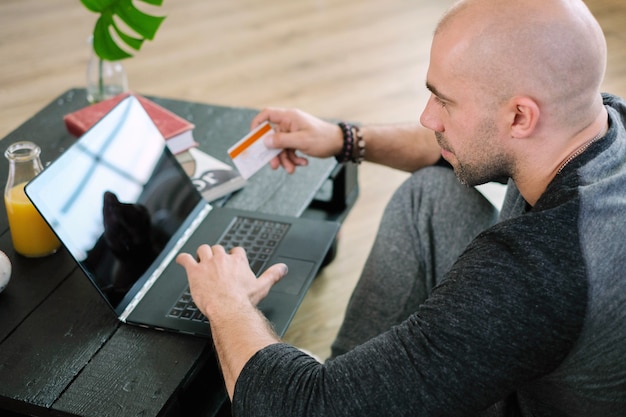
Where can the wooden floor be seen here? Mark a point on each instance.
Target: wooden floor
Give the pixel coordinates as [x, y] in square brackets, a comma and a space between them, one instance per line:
[360, 60]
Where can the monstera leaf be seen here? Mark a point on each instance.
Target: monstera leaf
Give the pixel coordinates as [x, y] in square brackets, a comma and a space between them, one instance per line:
[112, 12]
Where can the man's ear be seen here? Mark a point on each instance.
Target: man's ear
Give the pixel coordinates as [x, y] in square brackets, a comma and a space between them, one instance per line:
[524, 116]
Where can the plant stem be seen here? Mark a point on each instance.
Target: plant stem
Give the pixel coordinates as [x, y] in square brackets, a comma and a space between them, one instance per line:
[100, 78]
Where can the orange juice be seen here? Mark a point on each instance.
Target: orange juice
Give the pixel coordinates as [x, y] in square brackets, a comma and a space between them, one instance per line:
[31, 235]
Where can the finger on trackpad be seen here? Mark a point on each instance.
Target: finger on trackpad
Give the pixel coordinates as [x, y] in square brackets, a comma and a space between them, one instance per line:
[298, 273]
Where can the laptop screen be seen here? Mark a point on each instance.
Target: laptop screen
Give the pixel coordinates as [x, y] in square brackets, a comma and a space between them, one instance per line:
[114, 201]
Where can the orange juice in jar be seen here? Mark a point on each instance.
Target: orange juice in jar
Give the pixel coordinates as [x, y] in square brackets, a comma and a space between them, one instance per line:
[31, 235]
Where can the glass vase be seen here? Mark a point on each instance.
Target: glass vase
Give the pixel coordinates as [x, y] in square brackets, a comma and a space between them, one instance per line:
[105, 79]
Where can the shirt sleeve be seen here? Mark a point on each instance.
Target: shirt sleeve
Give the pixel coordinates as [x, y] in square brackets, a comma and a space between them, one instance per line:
[504, 315]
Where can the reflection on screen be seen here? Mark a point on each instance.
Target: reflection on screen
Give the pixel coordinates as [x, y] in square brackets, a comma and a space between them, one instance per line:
[116, 198]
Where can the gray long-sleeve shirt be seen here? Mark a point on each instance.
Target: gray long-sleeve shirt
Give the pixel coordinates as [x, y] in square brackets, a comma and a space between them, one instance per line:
[532, 317]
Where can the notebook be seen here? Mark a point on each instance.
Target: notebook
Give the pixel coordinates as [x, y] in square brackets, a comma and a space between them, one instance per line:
[124, 208]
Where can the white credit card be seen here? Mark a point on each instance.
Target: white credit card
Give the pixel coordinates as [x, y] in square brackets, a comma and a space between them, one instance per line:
[250, 154]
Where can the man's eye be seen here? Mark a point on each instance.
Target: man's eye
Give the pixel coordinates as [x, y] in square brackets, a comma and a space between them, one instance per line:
[439, 101]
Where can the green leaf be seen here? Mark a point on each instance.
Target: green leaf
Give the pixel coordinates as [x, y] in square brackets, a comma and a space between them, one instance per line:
[103, 44]
[143, 24]
[131, 41]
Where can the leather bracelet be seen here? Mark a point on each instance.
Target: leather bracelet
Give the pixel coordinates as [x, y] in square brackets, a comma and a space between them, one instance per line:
[359, 148]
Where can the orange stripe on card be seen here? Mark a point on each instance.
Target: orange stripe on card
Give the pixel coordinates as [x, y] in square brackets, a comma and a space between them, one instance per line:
[246, 143]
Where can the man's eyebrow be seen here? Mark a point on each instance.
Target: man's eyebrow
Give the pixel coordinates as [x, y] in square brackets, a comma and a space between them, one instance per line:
[436, 92]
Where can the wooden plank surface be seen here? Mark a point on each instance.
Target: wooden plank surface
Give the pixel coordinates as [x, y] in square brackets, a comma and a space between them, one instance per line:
[51, 347]
[32, 282]
[135, 373]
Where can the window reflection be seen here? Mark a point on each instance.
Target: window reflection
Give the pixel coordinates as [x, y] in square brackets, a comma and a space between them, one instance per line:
[117, 201]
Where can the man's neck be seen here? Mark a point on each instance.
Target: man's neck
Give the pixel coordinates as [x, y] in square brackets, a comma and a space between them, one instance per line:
[551, 160]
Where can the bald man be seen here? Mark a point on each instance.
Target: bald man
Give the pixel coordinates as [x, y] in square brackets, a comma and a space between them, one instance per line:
[459, 312]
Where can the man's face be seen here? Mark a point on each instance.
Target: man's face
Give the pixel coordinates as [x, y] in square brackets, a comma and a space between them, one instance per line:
[464, 119]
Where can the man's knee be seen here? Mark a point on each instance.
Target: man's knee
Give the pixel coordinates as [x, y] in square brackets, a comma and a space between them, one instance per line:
[442, 214]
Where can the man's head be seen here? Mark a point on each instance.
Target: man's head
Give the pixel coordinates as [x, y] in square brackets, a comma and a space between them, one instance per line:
[511, 70]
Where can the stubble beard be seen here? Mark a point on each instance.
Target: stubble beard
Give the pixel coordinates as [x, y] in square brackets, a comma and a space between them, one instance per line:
[488, 167]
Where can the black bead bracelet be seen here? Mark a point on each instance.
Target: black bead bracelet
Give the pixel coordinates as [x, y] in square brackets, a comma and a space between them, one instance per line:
[353, 148]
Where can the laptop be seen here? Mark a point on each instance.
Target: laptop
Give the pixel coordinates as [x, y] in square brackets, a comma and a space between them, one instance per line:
[123, 207]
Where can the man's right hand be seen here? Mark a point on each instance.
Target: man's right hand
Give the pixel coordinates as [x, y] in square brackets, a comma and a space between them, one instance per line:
[302, 132]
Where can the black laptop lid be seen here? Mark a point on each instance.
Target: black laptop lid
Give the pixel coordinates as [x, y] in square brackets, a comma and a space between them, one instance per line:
[118, 201]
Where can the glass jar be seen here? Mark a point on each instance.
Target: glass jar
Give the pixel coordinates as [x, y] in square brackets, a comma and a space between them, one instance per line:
[30, 234]
[105, 79]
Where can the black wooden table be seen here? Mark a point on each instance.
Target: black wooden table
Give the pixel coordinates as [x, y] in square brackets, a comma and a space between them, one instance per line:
[62, 351]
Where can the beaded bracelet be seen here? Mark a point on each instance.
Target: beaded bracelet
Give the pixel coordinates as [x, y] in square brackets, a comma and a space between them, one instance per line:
[350, 151]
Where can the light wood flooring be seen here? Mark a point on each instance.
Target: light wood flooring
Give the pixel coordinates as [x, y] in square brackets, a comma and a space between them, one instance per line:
[360, 60]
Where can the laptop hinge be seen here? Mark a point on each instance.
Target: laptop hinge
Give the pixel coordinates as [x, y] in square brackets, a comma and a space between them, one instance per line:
[165, 262]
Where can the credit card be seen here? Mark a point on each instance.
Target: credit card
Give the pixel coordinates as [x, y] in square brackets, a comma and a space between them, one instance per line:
[250, 153]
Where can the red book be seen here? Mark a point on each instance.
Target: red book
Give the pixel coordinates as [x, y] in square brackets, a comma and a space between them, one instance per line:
[177, 131]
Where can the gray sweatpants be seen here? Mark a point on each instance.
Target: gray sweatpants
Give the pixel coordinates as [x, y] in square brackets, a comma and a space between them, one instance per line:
[426, 225]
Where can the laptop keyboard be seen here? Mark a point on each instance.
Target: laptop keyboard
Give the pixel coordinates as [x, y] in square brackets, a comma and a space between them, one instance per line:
[258, 237]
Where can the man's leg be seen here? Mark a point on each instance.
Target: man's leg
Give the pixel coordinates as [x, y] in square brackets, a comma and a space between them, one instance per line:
[426, 225]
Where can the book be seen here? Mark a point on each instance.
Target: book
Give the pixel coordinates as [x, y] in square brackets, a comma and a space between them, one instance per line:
[213, 178]
[177, 131]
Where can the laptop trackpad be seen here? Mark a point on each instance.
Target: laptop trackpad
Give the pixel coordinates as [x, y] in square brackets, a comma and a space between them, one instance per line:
[295, 278]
